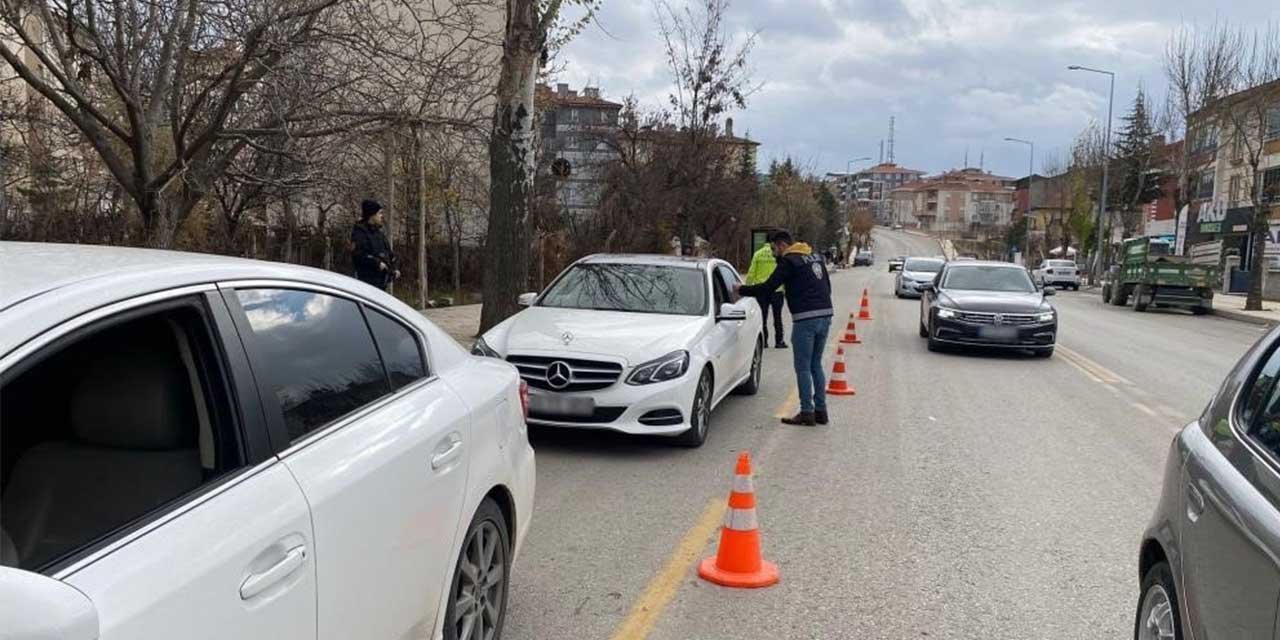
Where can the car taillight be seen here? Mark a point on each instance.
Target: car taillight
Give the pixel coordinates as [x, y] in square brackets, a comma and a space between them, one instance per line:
[524, 399]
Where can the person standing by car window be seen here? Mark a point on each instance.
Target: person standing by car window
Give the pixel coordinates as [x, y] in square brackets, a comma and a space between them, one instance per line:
[808, 294]
[372, 259]
[763, 264]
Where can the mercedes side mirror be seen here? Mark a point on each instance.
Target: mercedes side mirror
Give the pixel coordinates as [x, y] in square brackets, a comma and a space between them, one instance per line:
[35, 607]
[1050, 291]
[526, 299]
[731, 313]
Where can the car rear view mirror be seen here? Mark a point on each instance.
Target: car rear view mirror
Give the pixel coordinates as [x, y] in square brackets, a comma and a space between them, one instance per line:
[1050, 291]
[526, 299]
[925, 286]
[731, 312]
[35, 607]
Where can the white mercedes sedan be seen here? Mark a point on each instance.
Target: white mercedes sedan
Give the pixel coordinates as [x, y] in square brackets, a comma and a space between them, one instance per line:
[202, 447]
[637, 344]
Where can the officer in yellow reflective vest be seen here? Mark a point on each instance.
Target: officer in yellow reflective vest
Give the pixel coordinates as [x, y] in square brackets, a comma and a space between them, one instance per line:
[763, 264]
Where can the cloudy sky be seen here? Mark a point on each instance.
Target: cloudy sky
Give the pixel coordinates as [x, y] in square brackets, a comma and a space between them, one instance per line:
[957, 74]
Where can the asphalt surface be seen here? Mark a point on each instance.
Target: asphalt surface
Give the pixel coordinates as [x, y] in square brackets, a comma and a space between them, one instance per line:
[960, 495]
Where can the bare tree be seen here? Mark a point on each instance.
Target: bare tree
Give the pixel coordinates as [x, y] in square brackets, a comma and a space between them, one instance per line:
[1200, 66]
[528, 39]
[170, 93]
[1248, 120]
[711, 75]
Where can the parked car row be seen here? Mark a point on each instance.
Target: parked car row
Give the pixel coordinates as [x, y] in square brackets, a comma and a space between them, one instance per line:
[203, 447]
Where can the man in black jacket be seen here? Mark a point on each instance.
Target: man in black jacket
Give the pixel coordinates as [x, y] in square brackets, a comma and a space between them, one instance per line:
[808, 292]
[372, 259]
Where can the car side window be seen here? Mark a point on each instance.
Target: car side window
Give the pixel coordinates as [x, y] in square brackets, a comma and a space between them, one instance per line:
[316, 353]
[728, 279]
[109, 426]
[1260, 410]
[1261, 390]
[399, 348]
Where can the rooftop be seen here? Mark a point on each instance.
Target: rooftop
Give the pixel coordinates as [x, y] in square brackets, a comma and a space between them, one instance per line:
[563, 96]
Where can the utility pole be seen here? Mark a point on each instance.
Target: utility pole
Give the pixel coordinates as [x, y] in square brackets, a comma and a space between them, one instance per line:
[1096, 271]
[1026, 215]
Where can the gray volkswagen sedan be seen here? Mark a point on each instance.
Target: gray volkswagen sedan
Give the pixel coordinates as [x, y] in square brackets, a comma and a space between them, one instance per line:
[1209, 563]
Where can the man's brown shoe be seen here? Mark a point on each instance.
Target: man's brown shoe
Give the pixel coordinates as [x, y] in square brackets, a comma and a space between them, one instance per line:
[804, 418]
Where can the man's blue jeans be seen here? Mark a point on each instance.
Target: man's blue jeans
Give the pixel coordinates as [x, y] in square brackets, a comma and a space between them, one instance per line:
[808, 340]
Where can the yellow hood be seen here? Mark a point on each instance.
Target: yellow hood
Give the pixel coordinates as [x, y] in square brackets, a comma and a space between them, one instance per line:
[800, 248]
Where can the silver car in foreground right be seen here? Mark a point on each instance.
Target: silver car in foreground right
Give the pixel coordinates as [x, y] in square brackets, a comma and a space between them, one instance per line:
[1209, 563]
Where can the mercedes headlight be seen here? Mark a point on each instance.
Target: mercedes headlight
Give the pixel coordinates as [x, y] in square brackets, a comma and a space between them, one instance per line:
[482, 349]
[668, 367]
[943, 312]
[1047, 316]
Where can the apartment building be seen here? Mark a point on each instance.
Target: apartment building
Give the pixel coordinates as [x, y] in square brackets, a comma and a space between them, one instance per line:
[872, 187]
[955, 201]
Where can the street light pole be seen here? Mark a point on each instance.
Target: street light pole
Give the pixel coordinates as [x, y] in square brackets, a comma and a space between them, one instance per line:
[1026, 215]
[848, 178]
[1106, 169]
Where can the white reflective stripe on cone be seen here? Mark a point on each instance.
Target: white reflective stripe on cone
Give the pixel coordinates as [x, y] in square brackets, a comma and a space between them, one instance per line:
[741, 520]
[742, 484]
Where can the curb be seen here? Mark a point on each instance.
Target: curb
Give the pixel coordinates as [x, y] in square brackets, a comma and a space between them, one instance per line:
[1239, 316]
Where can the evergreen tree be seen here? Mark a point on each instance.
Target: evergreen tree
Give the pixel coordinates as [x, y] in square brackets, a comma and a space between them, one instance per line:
[1138, 180]
[832, 221]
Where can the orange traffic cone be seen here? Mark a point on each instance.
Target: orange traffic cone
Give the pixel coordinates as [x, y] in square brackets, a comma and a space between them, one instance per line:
[850, 332]
[837, 385]
[864, 313]
[738, 562]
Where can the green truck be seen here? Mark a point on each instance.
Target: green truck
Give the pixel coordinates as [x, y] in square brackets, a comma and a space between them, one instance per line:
[1154, 277]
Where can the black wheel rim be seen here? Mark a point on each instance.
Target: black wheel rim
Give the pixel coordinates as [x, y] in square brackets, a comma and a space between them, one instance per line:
[756, 365]
[702, 404]
[478, 599]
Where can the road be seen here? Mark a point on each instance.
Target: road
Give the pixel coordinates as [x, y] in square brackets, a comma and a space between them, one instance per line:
[955, 496]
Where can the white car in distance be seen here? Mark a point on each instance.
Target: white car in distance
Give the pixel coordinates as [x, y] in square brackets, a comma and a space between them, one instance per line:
[644, 345]
[915, 272]
[1058, 273]
[203, 448]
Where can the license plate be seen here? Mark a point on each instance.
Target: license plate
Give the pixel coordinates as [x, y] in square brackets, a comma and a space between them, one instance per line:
[998, 333]
[561, 405]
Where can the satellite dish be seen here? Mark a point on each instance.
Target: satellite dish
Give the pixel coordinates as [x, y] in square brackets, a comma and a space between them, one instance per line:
[561, 168]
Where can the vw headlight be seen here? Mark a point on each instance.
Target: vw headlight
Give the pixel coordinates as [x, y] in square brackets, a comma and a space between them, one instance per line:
[1045, 317]
[668, 367]
[944, 312]
[482, 349]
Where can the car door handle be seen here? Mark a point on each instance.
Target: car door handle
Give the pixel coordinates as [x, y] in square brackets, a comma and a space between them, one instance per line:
[1195, 503]
[256, 583]
[447, 451]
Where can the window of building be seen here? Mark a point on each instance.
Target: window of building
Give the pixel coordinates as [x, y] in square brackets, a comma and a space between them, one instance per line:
[573, 115]
[1237, 190]
[1271, 185]
[1271, 127]
[317, 354]
[1205, 139]
[1204, 186]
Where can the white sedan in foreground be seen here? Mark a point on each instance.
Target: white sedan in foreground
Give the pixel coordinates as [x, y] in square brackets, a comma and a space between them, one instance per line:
[637, 344]
[201, 447]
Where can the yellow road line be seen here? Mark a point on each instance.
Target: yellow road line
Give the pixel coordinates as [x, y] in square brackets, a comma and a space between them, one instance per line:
[1100, 371]
[1080, 368]
[790, 406]
[662, 588]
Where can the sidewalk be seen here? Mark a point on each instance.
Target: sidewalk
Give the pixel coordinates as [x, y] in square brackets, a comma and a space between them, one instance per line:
[460, 322]
[1232, 306]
